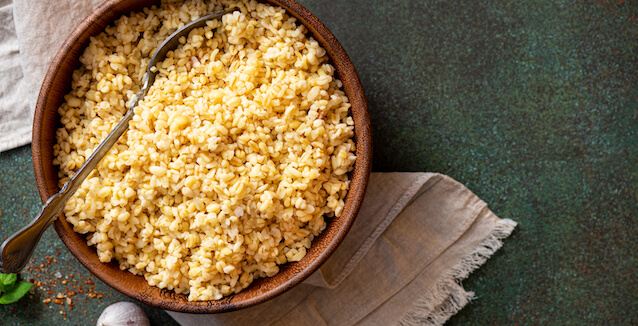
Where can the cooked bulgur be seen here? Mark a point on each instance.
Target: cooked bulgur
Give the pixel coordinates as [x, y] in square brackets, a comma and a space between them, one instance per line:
[233, 160]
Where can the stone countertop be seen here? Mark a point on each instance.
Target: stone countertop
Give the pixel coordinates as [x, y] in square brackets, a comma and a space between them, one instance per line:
[531, 104]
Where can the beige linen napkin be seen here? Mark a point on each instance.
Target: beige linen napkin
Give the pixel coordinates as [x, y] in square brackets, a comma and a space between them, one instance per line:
[416, 237]
[15, 115]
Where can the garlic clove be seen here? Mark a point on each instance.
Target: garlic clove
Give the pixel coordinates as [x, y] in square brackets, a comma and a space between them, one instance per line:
[123, 314]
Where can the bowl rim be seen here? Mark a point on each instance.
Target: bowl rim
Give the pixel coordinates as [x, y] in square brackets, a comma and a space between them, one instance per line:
[166, 299]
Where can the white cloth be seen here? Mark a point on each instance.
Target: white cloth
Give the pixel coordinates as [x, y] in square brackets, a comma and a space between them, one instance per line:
[16, 116]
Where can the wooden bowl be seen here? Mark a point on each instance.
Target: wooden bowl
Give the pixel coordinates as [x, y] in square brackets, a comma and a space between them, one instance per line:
[57, 83]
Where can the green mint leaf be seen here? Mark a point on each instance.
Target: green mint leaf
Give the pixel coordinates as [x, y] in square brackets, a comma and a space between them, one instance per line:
[8, 279]
[16, 292]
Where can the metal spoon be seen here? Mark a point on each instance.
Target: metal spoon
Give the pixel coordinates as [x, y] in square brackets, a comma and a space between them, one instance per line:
[19, 247]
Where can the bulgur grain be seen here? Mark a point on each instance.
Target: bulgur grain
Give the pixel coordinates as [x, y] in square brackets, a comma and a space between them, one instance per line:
[233, 160]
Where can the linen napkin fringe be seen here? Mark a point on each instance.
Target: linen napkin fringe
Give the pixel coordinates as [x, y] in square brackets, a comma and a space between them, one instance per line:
[450, 296]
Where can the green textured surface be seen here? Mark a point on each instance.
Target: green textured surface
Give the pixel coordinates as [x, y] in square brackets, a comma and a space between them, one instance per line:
[531, 104]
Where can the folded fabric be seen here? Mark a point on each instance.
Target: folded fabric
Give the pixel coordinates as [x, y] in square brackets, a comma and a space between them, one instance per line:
[15, 114]
[416, 236]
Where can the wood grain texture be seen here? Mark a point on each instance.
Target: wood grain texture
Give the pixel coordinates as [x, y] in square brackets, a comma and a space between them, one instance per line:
[46, 121]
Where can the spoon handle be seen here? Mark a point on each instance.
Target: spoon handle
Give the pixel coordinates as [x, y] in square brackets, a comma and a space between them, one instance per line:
[19, 247]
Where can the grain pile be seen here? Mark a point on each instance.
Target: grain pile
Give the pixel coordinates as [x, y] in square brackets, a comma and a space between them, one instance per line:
[234, 160]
